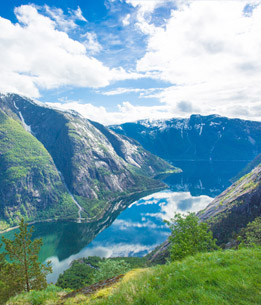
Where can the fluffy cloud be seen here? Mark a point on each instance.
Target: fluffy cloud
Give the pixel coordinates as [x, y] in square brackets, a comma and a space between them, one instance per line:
[35, 54]
[211, 52]
[126, 112]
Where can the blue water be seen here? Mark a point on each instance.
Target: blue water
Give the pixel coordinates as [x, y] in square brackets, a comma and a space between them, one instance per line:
[139, 228]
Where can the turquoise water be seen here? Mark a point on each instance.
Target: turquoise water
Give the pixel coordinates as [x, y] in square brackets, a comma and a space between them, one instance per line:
[139, 228]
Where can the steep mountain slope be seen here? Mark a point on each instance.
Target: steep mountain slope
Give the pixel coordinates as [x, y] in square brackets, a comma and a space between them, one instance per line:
[97, 166]
[235, 207]
[251, 165]
[30, 183]
[197, 138]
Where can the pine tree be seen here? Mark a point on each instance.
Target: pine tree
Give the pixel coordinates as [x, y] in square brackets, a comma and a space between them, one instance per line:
[23, 253]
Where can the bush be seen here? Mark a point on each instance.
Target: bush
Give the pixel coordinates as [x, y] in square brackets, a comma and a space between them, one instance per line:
[251, 235]
[189, 237]
[110, 268]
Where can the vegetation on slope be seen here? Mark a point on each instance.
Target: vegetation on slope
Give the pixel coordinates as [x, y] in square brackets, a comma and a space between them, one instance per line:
[235, 207]
[30, 184]
[250, 166]
[90, 270]
[222, 277]
[20, 269]
[99, 167]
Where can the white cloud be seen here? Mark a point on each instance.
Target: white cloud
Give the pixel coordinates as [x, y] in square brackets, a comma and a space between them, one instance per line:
[92, 43]
[211, 52]
[62, 22]
[142, 92]
[126, 20]
[78, 14]
[126, 112]
[34, 54]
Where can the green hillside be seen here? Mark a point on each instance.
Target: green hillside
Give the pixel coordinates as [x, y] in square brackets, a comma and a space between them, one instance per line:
[222, 277]
[30, 184]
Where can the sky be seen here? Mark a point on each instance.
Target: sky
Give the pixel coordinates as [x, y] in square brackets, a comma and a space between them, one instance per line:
[117, 61]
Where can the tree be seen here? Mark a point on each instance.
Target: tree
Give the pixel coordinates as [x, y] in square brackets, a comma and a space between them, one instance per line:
[251, 235]
[189, 236]
[23, 253]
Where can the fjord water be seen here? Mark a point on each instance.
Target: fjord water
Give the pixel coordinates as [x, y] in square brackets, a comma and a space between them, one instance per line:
[139, 228]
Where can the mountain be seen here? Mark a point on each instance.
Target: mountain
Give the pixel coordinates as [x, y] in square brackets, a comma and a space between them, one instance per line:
[235, 207]
[197, 138]
[251, 165]
[59, 165]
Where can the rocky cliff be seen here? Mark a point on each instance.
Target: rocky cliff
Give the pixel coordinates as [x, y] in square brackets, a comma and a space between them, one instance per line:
[93, 166]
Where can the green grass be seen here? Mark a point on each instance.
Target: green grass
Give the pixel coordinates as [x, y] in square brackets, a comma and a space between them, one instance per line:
[230, 277]
[48, 296]
[20, 151]
[217, 278]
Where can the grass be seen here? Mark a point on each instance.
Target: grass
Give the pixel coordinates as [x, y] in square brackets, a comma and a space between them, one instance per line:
[49, 296]
[217, 278]
[230, 277]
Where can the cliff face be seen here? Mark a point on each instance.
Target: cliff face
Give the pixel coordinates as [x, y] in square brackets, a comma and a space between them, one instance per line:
[90, 165]
[30, 183]
[197, 138]
[235, 207]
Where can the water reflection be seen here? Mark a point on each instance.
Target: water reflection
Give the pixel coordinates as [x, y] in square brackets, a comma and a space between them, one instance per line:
[138, 229]
[204, 177]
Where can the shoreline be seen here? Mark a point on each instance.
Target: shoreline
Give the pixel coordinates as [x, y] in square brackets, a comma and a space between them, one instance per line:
[99, 217]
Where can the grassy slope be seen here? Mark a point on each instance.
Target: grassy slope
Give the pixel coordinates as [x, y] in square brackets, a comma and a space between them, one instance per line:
[230, 277]
[24, 161]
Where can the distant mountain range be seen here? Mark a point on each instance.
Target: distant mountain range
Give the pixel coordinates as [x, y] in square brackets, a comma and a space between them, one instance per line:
[59, 165]
[197, 138]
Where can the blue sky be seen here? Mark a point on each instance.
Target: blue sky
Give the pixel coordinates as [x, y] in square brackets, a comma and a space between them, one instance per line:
[123, 60]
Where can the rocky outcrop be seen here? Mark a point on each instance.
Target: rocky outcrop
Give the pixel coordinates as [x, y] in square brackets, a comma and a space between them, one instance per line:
[197, 138]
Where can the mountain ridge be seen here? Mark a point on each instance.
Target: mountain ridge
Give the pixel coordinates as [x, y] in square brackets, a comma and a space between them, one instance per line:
[197, 138]
[93, 171]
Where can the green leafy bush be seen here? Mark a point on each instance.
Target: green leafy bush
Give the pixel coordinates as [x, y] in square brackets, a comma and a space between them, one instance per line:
[251, 235]
[110, 268]
[189, 237]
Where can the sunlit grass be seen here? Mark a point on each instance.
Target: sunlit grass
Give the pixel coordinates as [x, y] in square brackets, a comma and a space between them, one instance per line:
[222, 277]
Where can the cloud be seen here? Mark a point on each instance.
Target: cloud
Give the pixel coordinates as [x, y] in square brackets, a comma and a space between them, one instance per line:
[126, 112]
[142, 92]
[35, 55]
[92, 43]
[126, 20]
[211, 52]
[78, 14]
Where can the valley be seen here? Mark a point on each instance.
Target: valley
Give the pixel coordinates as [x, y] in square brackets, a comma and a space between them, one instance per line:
[67, 167]
[136, 229]
[99, 191]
